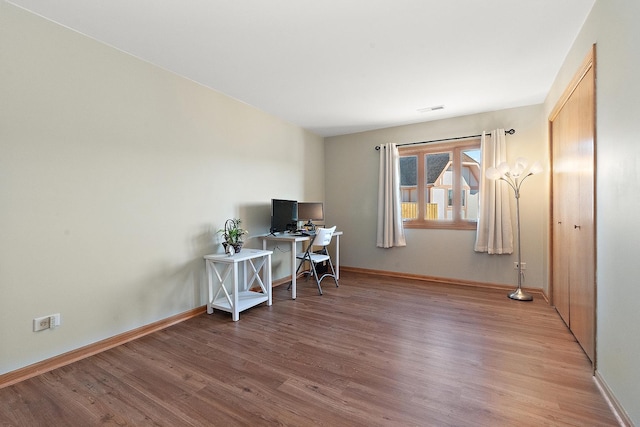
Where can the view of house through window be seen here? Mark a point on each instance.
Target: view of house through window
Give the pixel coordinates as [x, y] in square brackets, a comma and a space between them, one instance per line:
[440, 184]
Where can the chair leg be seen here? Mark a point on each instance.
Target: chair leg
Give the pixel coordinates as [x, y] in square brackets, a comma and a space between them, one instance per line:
[321, 278]
[315, 276]
[334, 272]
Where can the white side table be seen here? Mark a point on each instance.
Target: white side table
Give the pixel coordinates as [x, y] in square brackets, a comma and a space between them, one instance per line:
[231, 297]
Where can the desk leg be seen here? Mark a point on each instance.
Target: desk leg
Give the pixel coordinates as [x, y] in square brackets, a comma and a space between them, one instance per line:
[293, 269]
[293, 265]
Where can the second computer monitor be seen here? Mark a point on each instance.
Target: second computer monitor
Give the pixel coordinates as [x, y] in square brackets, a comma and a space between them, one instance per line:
[310, 211]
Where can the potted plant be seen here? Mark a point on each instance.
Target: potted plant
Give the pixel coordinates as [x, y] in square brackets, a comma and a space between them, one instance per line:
[232, 234]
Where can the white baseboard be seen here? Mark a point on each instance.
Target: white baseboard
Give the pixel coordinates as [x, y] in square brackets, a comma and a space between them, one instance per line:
[619, 412]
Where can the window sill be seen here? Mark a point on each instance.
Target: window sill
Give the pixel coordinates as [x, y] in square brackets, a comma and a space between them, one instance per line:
[441, 225]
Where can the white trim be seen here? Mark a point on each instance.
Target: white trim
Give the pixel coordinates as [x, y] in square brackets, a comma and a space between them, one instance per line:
[617, 409]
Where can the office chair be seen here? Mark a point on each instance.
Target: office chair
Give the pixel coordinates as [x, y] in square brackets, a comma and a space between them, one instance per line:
[314, 257]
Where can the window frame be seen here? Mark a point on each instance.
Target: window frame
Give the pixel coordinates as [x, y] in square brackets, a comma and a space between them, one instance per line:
[456, 148]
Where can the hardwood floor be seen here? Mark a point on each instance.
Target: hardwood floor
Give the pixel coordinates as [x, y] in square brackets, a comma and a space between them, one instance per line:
[377, 351]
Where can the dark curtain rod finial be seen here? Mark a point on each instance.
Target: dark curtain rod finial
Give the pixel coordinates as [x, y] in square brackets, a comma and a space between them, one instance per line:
[510, 132]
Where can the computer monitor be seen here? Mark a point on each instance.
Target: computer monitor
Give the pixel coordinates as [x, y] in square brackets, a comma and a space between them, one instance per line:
[310, 211]
[284, 215]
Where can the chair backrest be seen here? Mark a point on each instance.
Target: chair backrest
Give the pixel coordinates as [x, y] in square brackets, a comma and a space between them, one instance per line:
[323, 236]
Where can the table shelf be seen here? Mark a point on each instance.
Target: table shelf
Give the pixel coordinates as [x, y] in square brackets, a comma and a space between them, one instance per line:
[246, 299]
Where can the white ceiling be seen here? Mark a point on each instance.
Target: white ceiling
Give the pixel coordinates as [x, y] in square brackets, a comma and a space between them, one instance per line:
[344, 66]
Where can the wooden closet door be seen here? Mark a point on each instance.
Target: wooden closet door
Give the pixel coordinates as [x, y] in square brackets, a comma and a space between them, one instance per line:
[572, 128]
[561, 248]
[583, 289]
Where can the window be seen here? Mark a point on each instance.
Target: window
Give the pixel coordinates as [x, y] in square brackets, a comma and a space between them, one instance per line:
[440, 184]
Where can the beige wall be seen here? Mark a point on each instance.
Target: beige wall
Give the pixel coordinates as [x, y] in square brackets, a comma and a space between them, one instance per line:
[613, 26]
[114, 177]
[351, 182]
[115, 174]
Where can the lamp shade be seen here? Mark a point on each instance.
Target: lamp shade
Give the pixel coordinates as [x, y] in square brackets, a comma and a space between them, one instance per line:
[536, 167]
[519, 167]
[504, 168]
[492, 173]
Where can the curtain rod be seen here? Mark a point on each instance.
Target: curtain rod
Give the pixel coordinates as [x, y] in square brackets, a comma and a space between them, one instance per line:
[510, 132]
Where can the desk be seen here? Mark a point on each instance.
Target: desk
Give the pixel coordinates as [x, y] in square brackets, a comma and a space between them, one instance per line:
[220, 267]
[293, 240]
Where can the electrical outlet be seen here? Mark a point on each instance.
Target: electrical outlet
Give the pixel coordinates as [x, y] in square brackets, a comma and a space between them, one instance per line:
[46, 322]
[40, 323]
[515, 265]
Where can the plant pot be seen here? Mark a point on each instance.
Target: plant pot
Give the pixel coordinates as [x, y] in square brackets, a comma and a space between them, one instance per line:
[237, 247]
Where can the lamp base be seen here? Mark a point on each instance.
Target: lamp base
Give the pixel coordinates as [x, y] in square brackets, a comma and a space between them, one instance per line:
[520, 295]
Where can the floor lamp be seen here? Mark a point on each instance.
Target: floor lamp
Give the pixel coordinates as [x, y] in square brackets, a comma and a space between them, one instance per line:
[515, 176]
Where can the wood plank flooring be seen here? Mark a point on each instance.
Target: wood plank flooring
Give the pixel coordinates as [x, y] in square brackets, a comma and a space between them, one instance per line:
[377, 351]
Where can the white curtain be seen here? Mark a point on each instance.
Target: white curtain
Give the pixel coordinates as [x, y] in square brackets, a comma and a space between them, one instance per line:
[494, 234]
[390, 229]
